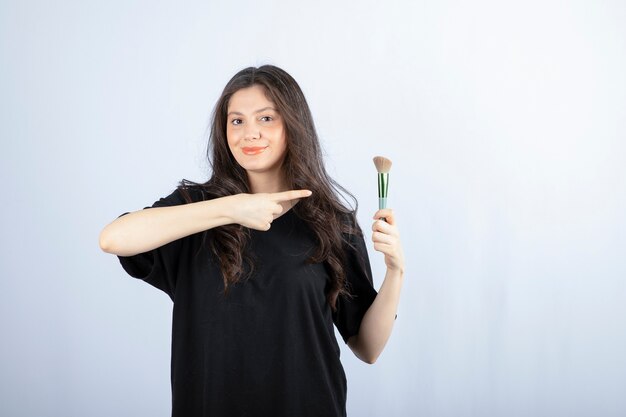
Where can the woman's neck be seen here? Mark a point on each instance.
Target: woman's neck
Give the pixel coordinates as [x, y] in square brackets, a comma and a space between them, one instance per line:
[266, 183]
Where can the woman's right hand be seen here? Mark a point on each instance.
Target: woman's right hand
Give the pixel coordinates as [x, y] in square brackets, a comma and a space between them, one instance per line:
[257, 211]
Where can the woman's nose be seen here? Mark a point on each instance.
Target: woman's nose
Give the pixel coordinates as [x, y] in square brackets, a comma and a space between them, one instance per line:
[251, 132]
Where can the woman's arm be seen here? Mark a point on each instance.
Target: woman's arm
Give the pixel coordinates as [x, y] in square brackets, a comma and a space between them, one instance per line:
[144, 230]
[378, 321]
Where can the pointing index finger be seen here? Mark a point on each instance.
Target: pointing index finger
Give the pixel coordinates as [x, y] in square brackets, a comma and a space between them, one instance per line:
[291, 195]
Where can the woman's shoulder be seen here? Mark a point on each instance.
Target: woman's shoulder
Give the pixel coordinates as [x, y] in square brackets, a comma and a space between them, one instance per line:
[191, 192]
[350, 229]
[349, 220]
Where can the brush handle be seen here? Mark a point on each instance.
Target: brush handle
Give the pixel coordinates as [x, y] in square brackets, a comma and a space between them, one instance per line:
[383, 184]
[383, 188]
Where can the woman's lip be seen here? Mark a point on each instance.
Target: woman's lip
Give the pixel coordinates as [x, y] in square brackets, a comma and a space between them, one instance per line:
[253, 150]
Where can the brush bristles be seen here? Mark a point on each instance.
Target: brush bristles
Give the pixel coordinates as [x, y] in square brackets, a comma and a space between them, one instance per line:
[383, 165]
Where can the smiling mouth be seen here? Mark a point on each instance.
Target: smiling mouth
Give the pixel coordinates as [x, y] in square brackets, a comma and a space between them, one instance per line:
[253, 150]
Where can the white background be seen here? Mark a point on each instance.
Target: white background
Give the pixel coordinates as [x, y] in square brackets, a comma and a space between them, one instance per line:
[505, 122]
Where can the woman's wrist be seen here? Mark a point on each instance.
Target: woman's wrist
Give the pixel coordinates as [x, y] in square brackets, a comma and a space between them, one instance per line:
[218, 212]
[396, 272]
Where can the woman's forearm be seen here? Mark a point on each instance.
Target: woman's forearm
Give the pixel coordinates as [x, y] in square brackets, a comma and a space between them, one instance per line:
[144, 230]
[378, 321]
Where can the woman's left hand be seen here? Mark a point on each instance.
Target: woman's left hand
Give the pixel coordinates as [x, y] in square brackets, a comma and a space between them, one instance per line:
[387, 239]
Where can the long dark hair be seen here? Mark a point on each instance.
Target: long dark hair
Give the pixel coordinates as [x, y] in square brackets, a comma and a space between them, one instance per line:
[303, 168]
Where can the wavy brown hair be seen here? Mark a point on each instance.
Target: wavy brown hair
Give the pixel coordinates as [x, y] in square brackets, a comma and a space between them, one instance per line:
[326, 215]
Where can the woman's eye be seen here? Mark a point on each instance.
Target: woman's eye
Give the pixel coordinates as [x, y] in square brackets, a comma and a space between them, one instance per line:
[236, 121]
[267, 118]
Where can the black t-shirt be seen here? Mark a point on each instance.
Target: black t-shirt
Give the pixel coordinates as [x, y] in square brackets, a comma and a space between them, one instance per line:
[267, 347]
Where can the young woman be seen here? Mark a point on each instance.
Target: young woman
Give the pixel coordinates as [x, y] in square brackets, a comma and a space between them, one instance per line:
[260, 262]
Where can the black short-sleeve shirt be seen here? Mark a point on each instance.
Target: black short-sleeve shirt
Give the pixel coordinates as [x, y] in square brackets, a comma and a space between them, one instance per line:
[267, 347]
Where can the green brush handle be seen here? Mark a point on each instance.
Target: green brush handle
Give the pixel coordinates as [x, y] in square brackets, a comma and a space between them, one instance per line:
[383, 187]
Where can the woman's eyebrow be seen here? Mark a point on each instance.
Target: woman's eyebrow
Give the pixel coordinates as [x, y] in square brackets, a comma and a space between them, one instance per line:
[258, 111]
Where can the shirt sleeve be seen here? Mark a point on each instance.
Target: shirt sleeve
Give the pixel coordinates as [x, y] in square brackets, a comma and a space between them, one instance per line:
[158, 267]
[351, 309]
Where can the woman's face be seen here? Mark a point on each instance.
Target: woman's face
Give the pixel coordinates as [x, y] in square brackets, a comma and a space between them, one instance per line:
[255, 131]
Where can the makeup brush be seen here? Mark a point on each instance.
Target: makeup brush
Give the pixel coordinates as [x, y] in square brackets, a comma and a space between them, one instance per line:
[383, 165]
